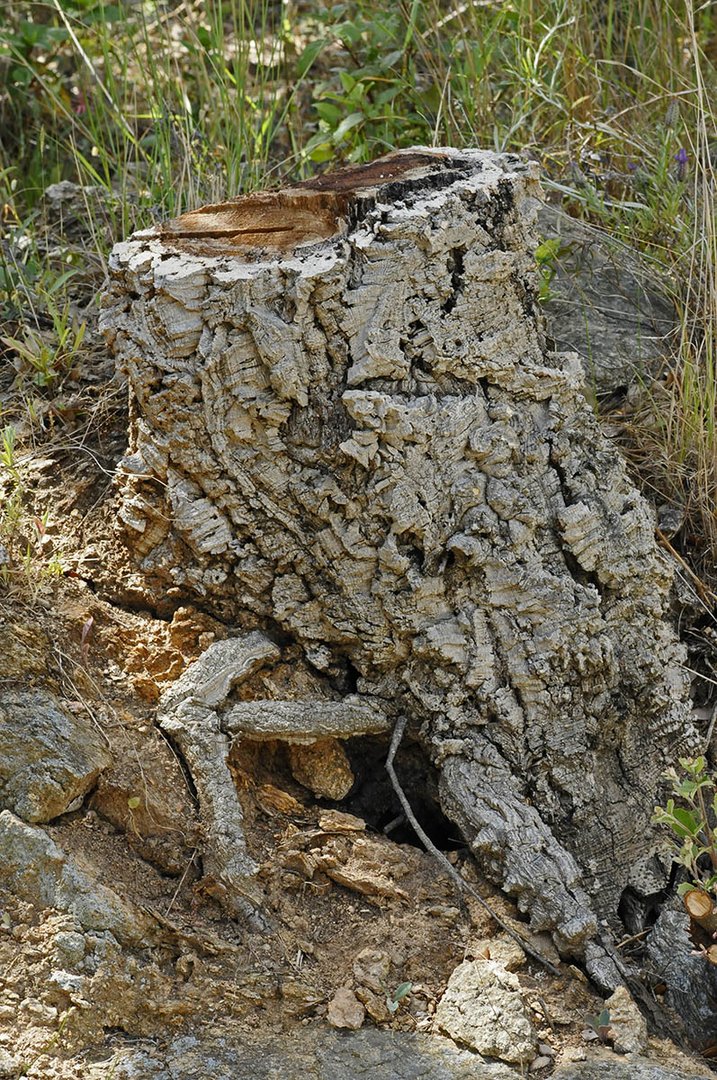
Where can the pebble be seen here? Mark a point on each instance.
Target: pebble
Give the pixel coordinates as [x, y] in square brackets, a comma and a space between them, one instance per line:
[69, 946]
[9, 1066]
[36, 1008]
[345, 1010]
[539, 1063]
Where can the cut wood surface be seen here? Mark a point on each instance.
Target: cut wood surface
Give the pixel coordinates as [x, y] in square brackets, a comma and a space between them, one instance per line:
[348, 430]
[700, 906]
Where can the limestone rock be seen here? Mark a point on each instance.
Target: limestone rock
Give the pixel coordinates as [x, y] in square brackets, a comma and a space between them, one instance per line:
[628, 1026]
[482, 1008]
[321, 1055]
[49, 756]
[638, 1068]
[323, 768]
[345, 1010]
[151, 805]
[371, 969]
[37, 870]
[9, 1066]
[348, 425]
[500, 948]
[605, 303]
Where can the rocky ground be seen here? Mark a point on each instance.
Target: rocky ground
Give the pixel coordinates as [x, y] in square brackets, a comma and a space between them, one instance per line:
[117, 958]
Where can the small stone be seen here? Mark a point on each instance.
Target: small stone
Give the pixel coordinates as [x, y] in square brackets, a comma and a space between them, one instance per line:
[337, 821]
[69, 946]
[540, 1063]
[323, 768]
[545, 1051]
[68, 983]
[375, 1004]
[503, 950]
[45, 1013]
[573, 1054]
[345, 1010]
[9, 1066]
[483, 1009]
[627, 1024]
[371, 969]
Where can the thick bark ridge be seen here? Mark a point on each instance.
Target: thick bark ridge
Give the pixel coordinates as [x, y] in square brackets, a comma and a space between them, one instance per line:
[347, 427]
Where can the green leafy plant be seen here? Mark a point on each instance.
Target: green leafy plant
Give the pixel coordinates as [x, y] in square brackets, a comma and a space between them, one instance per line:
[691, 817]
[394, 999]
[600, 1024]
[8, 436]
[377, 101]
[546, 256]
[46, 354]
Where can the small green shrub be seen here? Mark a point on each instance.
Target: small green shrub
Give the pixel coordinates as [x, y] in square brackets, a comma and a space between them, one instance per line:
[691, 817]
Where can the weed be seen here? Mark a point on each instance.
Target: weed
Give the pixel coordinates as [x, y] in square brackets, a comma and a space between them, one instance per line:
[600, 1024]
[692, 820]
[46, 354]
[394, 999]
[546, 256]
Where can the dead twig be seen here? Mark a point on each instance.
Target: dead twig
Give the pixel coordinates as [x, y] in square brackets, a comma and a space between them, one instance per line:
[451, 870]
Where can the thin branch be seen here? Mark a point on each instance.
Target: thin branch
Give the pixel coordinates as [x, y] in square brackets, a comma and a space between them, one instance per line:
[451, 870]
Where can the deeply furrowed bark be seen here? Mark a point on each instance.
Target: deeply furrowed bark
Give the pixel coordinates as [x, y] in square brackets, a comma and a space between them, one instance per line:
[347, 426]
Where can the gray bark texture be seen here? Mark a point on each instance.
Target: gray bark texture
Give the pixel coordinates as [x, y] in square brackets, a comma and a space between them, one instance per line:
[347, 431]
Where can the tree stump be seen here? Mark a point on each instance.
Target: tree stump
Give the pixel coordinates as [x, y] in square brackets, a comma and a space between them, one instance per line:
[348, 431]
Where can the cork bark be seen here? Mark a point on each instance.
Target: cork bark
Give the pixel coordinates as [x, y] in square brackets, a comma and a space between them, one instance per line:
[348, 432]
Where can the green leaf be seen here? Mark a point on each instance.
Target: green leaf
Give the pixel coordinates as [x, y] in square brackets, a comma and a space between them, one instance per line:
[402, 990]
[329, 112]
[685, 822]
[346, 125]
[391, 1005]
[321, 153]
[309, 55]
[134, 802]
[547, 251]
[390, 60]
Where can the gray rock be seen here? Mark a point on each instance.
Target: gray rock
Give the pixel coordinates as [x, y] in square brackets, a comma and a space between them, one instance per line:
[68, 983]
[637, 1068]
[37, 870]
[48, 756]
[627, 1024]
[9, 1066]
[605, 303]
[482, 1008]
[69, 947]
[321, 1055]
